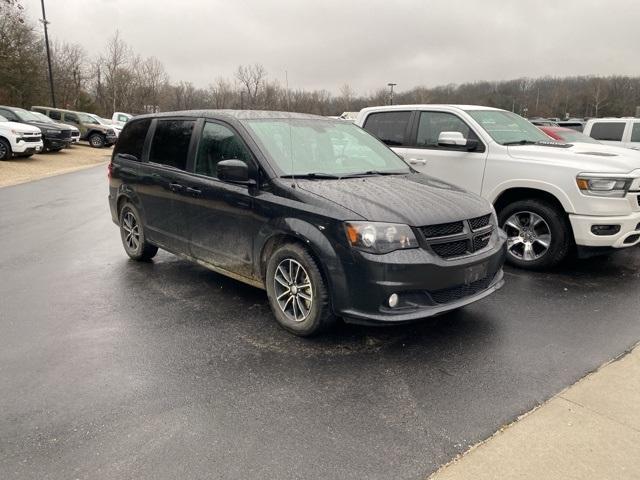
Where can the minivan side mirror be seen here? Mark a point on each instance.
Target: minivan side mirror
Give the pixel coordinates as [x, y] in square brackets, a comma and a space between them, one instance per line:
[451, 139]
[234, 170]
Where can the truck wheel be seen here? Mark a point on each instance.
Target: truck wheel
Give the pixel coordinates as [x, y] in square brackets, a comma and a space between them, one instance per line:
[538, 234]
[297, 291]
[5, 150]
[96, 140]
[133, 235]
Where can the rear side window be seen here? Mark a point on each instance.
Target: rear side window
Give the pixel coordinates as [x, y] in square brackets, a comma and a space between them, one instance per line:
[611, 131]
[131, 140]
[216, 144]
[389, 127]
[635, 133]
[171, 141]
[71, 118]
[55, 115]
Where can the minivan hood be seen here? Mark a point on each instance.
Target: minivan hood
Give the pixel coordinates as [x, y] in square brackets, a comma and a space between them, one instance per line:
[584, 157]
[413, 199]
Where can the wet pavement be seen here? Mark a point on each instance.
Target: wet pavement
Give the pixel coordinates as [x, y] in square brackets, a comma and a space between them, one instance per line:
[114, 369]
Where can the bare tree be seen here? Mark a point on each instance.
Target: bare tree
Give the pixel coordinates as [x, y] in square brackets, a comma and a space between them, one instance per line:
[251, 77]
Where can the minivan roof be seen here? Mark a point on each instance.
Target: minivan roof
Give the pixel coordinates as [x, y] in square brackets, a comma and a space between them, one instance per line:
[236, 114]
[430, 105]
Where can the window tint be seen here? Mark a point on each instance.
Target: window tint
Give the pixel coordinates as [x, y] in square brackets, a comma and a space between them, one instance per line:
[131, 140]
[170, 144]
[55, 115]
[635, 133]
[611, 131]
[218, 143]
[432, 124]
[389, 127]
[71, 118]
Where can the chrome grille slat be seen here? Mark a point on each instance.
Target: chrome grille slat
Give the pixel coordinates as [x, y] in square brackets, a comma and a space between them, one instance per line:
[459, 239]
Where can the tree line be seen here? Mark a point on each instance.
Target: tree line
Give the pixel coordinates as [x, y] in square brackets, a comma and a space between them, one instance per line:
[118, 79]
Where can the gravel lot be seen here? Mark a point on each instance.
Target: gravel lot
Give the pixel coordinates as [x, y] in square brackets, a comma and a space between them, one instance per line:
[20, 170]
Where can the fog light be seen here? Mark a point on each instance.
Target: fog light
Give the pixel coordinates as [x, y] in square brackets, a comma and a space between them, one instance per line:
[393, 300]
[603, 230]
[629, 240]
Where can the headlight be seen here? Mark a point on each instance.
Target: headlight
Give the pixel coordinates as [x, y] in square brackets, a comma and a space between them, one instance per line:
[604, 186]
[374, 237]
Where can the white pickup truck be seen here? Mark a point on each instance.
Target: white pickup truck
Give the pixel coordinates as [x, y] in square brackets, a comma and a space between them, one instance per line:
[18, 139]
[549, 196]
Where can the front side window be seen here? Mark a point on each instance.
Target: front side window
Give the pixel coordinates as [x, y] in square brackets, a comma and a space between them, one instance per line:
[216, 144]
[608, 131]
[12, 117]
[507, 128]
[304, 146]
[390, 127]
[635, 133]
[71, 117]
[432, 124]
[171, 141]
[131, 140]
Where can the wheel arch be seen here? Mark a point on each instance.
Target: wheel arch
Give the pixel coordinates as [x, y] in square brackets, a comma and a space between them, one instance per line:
[514, 194]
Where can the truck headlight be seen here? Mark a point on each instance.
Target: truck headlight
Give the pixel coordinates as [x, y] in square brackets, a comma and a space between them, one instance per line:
[604, 186]
[375, 237]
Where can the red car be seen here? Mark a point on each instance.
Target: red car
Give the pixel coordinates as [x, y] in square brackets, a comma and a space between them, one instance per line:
[568, 135]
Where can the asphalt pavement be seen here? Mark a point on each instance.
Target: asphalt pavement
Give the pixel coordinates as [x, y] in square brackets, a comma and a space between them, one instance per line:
[114, 369]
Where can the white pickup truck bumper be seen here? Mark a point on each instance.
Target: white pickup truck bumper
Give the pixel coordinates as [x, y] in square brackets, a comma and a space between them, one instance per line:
[628, 236]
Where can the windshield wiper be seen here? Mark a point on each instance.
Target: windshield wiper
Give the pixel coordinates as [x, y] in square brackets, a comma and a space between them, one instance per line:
[312, 175]
[369, 173]
[520, 142]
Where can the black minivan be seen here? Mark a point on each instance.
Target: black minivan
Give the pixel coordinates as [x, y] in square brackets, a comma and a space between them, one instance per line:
[316, 211]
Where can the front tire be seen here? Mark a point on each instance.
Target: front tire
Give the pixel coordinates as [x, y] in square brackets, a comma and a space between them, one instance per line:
[96, 140]
[133, 235]
[538, 234]
[297, 291]
[5, 150]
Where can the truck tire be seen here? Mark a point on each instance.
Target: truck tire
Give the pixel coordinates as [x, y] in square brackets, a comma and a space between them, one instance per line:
[5, 150]
[96, 140]
[539, 235]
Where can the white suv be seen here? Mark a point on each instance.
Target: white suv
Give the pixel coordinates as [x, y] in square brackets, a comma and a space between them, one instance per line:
[549, 196]
[621, 132]
[18, 139]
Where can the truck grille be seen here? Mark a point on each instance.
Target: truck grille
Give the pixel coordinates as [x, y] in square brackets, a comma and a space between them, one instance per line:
[75, 134]
[457, 239]
[452, 294]
[31, 139]
[66, 134]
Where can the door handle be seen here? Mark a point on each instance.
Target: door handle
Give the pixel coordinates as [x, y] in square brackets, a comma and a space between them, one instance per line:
[194, 192]
[417, 161]
[176, 187]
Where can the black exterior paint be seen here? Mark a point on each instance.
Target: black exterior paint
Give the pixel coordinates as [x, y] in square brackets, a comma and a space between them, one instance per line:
[51, 141]
[229, 227]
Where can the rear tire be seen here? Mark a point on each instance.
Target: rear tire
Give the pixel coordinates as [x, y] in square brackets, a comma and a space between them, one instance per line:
[97, 140]
[133, 235]
[5, 150]
[539, 235]
[297, 291]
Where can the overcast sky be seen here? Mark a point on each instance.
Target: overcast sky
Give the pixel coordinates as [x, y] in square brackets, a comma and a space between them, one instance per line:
[365, 43]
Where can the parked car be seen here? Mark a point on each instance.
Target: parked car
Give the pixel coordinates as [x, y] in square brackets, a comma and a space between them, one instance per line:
[75, 132]
[549, 195]
[543, 122]
[91, 130]
[18, 139]
[316, 211]
[107, 123]
[621, 132]
[120, 118]
[576, 124]
[55, 137]
[568, 135]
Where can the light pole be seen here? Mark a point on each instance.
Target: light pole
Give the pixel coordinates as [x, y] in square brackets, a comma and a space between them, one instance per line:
[391, 85]
[46, 41]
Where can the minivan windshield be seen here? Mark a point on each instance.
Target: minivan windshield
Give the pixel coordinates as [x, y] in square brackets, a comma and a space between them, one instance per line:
[324, 148]
[507, 128]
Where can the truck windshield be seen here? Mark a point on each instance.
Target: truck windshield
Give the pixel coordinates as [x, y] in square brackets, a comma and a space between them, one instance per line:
[319, 148]
[507, 128]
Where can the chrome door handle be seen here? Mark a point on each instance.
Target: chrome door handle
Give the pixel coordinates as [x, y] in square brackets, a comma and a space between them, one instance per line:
[417, 161]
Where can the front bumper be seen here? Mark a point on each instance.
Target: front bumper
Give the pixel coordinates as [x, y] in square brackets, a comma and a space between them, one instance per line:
[629, 230]
[56, 143]
[26, 148]
[110, 140]
[426, 284]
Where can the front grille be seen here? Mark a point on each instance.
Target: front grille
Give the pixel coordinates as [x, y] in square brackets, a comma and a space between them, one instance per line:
[65, 134]
[75, 134]
[480, 222]
[481, 241]
[31, 139]
[451, 249]
[443, 229]
[452, 294]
